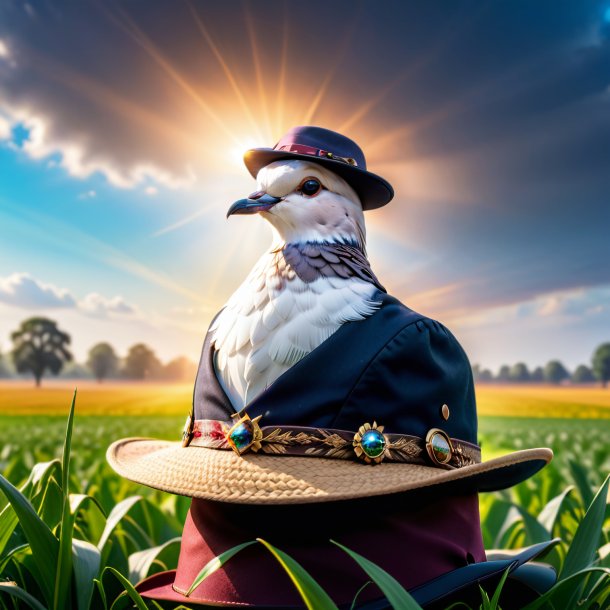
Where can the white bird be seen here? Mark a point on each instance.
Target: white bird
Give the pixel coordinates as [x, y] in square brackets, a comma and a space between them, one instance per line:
[314, 278]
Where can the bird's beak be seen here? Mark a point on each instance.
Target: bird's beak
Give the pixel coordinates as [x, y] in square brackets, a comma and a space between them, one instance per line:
[256, 202]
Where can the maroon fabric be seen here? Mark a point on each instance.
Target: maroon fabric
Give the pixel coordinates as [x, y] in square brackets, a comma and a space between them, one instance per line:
[413, 543]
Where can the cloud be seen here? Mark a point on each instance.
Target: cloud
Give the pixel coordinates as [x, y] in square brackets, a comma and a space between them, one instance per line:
[578, 304]
[96, 305]
[582, 306]
[4, 52]
[130, 124]
[5, 128]
[22, 290]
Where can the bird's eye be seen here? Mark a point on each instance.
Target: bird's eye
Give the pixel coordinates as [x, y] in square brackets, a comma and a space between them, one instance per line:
[310, 187]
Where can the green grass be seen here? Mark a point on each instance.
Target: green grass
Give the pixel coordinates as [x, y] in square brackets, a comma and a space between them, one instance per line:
[115, 519]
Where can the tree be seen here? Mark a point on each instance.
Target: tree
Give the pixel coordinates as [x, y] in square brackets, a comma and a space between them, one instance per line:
[583, 374]
[5, 371]
[141, 362]
[486, 375]
[504, 373]
[180, 369]
[38, 345]
[480, 374]
[103, 361]
[555, 372]
[519, 372]
[537, 374]
[601, 363]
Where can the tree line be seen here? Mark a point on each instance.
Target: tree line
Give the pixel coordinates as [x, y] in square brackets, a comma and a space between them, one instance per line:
[553, 372]
[40, 348]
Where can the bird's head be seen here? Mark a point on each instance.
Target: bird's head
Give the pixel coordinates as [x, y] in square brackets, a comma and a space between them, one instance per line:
[305, 201]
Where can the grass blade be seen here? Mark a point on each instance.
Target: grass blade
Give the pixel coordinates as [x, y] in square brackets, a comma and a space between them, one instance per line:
[136, 598]
[45, 548]
[579, 474]
[8, 518]
[14, 591]
[65, 459]
[86, 559]
[101, 592]
[563, 589]
[394, 592]
[535, 531]
[495, 600]
[313, 594]
[63, 573]
[586, 539]
[78, 501]
[549, 515]
[115, 516]
[141, 562]
[214, 564]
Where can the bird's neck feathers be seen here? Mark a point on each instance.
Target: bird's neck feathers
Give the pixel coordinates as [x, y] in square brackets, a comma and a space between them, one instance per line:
[354, 239]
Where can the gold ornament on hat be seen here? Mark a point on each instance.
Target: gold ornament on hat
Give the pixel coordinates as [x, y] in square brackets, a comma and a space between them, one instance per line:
[370, 444]
[245, 434]
[439, 447]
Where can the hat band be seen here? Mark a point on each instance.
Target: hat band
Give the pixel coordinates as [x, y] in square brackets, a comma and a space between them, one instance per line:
[369, 444]
[303, 149]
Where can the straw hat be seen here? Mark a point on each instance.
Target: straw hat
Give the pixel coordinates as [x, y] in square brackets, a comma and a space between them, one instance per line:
[385, 406]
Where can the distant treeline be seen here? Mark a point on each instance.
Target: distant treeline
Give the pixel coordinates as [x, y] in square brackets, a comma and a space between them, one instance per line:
[40, 348]
[553, 372]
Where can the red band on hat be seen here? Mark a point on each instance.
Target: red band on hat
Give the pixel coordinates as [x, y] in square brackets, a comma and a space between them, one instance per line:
[303, 149]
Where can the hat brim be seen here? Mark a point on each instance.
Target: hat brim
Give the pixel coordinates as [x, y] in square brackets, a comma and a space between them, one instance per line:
[220, 475]
[373, 191]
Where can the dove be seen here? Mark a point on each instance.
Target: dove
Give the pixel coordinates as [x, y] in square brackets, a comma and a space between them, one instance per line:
[314, 277]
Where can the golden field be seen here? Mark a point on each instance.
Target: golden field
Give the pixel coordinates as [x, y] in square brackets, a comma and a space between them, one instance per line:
[131, 398]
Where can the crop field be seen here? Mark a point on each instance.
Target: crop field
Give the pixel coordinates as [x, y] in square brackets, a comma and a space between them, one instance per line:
[129, 398]
[75, 535]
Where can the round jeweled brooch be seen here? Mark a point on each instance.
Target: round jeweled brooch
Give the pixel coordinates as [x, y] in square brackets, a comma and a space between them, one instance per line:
[245, 434]
[370, 443]
[439, 447]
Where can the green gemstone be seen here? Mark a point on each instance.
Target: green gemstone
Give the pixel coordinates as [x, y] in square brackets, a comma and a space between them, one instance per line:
[440, 447]
[242, 435]
[373, 443]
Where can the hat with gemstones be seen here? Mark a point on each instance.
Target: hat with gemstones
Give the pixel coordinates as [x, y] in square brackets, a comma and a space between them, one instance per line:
[385, 406]
[370, 440]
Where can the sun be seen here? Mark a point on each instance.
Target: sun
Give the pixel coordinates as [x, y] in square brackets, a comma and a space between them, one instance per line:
[236, 152]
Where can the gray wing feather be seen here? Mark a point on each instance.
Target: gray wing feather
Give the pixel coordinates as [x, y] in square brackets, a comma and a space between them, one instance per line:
[311, 261]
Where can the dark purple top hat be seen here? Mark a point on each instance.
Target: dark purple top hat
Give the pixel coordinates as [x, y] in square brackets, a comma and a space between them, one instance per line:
[331, 149]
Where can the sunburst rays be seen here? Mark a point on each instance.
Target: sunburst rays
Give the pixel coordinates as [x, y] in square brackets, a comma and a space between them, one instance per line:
[274, 99]
[121, 18]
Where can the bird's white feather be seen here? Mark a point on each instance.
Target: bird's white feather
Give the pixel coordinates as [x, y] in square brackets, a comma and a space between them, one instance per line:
[255, 347]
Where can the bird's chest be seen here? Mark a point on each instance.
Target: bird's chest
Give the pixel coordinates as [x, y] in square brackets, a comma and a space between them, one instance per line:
[275, 319]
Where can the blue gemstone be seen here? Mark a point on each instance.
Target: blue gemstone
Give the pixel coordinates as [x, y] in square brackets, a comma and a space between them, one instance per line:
[373, 443]
[242, 435]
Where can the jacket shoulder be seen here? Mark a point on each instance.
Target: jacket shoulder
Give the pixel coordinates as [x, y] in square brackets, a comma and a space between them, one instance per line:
[420, 367]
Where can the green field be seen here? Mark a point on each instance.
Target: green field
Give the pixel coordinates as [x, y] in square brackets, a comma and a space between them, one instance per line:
[135, 530]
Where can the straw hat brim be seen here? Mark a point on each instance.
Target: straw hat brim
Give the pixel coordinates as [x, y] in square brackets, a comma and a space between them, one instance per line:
[221, 475]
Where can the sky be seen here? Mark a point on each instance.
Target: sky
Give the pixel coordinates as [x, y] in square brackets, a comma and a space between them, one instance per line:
[123, 125]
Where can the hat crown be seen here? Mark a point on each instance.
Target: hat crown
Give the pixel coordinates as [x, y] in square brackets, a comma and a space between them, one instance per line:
[324, 140]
